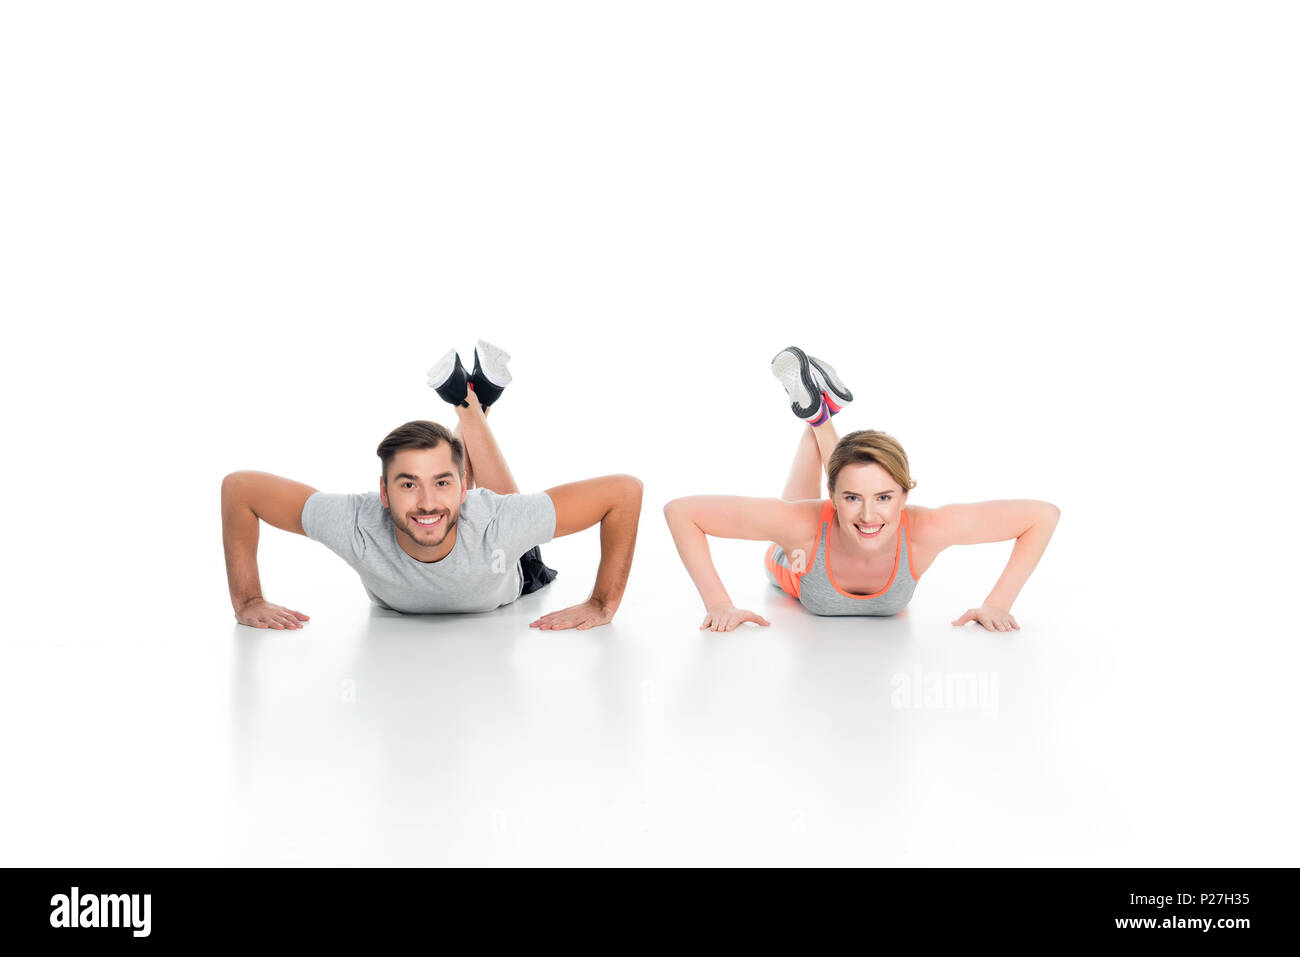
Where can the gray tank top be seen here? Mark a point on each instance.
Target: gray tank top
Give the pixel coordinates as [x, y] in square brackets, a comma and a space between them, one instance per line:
[816, 588]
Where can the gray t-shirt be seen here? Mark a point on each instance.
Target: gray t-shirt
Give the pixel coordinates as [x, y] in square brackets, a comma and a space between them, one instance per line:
[480, 573]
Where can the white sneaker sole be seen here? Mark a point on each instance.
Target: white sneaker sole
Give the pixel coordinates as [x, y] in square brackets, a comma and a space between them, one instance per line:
[492, 363]
[791, 368]
[441, 370]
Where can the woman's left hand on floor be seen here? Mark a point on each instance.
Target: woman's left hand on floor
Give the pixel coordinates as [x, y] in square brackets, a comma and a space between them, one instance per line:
[729, 618]
[992, 618]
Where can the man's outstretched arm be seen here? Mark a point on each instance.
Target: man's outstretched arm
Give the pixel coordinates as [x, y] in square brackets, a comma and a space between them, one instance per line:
[615, 502]
[246, 498]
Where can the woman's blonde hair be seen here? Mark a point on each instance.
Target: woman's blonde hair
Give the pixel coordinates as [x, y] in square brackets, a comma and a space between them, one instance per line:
[868, 445]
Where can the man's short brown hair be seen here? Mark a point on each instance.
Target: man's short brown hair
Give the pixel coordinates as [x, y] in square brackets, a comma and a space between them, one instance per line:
[420, 434]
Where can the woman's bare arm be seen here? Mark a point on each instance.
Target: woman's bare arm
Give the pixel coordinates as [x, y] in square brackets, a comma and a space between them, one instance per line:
[695, 517]
[1031, 523]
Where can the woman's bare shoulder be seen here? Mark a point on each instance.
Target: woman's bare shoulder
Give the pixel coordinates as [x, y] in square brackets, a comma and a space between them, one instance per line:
[923, 545]
[804, 524]
[918, 523]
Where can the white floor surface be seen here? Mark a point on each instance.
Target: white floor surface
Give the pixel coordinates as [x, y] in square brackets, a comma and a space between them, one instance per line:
[373, 738]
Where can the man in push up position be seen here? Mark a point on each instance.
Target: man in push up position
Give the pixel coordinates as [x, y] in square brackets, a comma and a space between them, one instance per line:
[448, 530]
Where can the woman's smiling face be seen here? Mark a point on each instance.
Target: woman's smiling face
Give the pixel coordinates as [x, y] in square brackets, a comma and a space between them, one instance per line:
[868, 506]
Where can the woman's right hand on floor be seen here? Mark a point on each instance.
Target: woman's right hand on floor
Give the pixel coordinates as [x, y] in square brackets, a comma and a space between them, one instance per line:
[260, 613]
[728, 617]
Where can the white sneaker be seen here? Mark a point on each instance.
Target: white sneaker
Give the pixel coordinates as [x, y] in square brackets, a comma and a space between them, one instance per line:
[490, 376]
[837, 393]
[447, 378]
[793, 370]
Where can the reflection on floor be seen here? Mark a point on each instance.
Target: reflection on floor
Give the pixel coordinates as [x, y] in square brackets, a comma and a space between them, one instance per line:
[375, 738]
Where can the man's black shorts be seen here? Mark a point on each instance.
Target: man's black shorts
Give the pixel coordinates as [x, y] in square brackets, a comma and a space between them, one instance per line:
[536, 574]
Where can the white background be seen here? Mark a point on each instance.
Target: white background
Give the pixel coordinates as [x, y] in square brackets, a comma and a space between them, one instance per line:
[1051, 247]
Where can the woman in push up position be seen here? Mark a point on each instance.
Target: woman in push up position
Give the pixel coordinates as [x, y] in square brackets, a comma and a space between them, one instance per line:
[862, 551]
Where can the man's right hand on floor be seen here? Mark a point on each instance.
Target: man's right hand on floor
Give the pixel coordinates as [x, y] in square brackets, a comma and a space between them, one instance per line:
[260, 613]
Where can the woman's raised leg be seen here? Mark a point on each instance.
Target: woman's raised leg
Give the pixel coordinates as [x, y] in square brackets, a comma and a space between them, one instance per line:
[815, 447]
[805, 471]
[827, 438]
